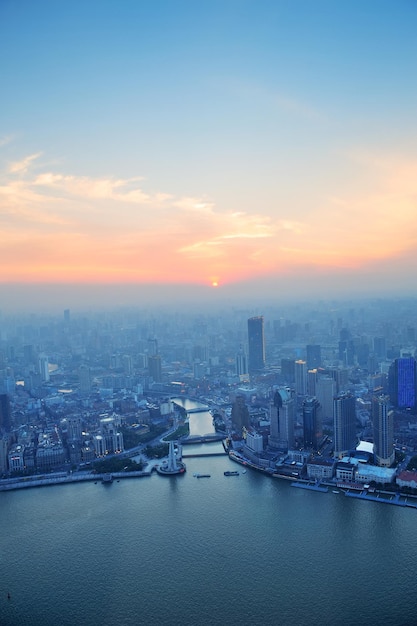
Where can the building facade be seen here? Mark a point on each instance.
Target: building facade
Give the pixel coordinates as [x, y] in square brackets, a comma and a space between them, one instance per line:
[383, 425]
[344, 420]
[256, 342]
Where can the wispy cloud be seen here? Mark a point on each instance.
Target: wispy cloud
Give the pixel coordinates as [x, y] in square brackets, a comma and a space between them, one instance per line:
[22, 166]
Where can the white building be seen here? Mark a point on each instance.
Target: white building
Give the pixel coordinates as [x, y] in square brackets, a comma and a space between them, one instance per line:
[254, 441]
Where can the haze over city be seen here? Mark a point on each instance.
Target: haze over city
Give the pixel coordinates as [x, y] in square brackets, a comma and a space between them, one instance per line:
[208, 150]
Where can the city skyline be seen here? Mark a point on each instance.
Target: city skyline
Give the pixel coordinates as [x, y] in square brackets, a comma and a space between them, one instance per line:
[208, 148]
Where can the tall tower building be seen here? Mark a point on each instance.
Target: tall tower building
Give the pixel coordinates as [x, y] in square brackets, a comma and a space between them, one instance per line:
[402, 383]
[312, 378]
[282, 420]
[155, 367]
[311, 423]
[44, 368]
[325, 392]
[383, 422]
[256, 340]
[301, 377]
[241, 363]
[344, 417]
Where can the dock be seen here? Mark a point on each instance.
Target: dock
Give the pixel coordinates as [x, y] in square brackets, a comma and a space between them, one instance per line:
[397, 499]
[311, 486]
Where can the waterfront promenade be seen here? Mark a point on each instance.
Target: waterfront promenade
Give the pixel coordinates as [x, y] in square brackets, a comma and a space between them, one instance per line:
[62, 478]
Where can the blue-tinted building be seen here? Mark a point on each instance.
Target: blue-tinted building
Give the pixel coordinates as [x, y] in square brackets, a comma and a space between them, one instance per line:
[402, 383]
[256, 341]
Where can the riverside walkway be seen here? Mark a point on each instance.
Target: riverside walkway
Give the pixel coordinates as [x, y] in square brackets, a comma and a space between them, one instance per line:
[62, 478]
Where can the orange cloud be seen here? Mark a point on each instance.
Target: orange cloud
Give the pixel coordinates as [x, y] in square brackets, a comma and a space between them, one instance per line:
[56, 226]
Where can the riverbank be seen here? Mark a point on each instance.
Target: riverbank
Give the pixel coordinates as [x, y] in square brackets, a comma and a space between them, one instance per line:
[10, 484]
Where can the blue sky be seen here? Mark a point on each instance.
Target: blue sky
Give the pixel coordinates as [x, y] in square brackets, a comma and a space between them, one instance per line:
[291, 122]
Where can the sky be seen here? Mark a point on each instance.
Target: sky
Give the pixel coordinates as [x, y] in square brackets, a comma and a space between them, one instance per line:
[216, 148]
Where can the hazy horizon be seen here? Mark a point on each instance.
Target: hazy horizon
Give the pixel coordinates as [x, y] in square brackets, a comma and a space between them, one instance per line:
[55, 298]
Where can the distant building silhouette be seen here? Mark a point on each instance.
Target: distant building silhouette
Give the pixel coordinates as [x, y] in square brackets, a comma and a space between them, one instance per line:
[288, 370]
[44, 368]
[380, 347]
[241, 363]
[84, 377]
[155, 367]
[313, 356]
[256, 342]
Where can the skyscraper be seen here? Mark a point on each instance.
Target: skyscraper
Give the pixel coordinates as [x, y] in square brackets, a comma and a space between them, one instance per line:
[402, 383]
[241, 363]
[383, 423]
[44, 367]
[326, 391]
[282, 420]
[155, 367]
[344, 417]
[312, 378]
[256, 342]
[301, 377]
[311, 423]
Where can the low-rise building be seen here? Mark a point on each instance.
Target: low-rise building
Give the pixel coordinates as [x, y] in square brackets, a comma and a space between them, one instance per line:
[345, 472]
[320, 469]
[407, 479]
[372, 473]
[15, 458]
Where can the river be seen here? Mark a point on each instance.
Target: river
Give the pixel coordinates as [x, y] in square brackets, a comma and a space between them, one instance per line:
[183, 551]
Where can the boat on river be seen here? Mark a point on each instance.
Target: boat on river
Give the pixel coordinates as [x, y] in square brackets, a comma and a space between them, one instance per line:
[231, 473]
